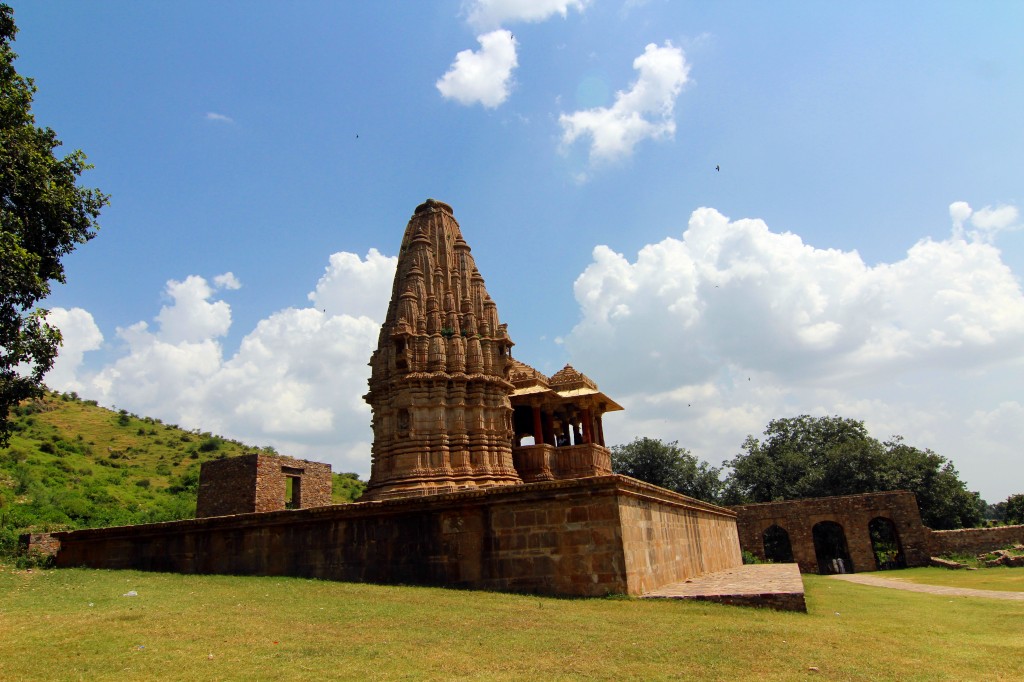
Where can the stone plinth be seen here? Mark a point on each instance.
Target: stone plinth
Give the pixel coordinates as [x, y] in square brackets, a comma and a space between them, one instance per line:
[583, 537]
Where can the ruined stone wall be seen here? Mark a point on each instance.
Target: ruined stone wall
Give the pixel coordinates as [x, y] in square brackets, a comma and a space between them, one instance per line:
[38, 545]
[852, 512]
[227, 486]
[561, 537]
[668, 538]
[975, 540]
[257, 483]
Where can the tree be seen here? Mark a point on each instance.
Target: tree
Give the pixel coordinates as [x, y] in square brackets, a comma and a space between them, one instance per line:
[1013, 513]
[804, 457]
[669, 466]
[807, 456]
[44, 216]
[942, 497]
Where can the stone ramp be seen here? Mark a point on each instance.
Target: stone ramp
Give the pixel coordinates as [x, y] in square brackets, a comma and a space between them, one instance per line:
[774, 586]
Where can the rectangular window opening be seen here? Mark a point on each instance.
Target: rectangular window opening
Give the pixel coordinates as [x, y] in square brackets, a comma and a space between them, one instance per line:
[292, 492]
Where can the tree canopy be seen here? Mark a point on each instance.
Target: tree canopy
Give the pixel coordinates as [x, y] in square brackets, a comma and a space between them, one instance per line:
[805, 456]
[1013, 509]
[44, 216]
[669, 466]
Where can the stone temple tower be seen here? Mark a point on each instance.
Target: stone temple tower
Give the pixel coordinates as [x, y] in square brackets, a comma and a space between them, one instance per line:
[439, 381]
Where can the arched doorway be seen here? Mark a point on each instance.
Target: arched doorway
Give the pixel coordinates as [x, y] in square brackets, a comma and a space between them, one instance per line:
[777, 548]
[885, 543]
[830, 548]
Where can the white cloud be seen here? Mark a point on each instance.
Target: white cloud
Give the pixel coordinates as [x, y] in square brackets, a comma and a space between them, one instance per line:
[706, 338]
[645, 111]
[192, 316]
[488, 14]
[356, 287]
[485, 76]
[295, 382]
[227, 281]
[218, 118]
[988, 222]
[80, 334]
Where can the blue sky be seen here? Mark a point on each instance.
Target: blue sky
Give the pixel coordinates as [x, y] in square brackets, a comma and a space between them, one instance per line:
[859, 252]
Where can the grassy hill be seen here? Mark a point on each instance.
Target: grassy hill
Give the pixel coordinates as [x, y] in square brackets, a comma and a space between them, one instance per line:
[73, 464]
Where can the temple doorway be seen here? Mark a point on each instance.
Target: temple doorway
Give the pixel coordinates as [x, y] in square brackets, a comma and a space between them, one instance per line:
[831, 549]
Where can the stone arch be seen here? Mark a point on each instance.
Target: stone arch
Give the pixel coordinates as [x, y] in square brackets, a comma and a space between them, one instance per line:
[777, 547]
[885, 544]
[830, 548]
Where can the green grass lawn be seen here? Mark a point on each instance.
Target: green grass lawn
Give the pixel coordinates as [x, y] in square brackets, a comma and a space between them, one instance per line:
[75, 624]
[1000, 578]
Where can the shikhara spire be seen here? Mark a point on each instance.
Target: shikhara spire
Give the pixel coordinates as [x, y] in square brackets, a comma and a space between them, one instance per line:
[439, 383]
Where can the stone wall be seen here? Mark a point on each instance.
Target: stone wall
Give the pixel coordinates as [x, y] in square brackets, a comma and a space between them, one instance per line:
[584, 537]
[975, 540]
[852, 512]
[259, 483]
[38, 545]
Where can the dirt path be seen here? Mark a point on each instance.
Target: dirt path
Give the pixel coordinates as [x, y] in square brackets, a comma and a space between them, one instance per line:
[877, 581]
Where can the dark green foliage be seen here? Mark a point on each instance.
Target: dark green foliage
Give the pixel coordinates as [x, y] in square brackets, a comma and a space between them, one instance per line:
[44, 216]
[1013, 510]
[807, 456]
[210, 444]
[346, 488]
[669, 466]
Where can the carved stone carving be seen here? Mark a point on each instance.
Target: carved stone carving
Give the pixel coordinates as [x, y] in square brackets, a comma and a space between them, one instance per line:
[439, 387]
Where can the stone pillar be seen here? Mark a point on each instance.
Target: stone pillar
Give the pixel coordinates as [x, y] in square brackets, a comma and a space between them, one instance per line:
[548, 427]
[588, 427]
[538, 428]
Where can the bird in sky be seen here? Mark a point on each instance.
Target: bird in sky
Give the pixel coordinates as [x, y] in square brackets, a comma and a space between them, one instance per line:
[717, 167]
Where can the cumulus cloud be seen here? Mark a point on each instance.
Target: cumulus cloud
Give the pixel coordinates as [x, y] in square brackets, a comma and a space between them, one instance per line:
[358, 287]
[987, 222]
[645, 111]
[488, 14]
[80, 334]
[295, 381]
[227, 281]
[734, 324]
[485, 76]
[192, 316]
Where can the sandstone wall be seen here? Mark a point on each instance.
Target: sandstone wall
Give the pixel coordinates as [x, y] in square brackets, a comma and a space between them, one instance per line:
[562, 537]
[975, 540]
[852, 512]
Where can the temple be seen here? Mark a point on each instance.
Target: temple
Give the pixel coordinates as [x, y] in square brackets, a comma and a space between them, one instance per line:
[452, 410]
[485, 473]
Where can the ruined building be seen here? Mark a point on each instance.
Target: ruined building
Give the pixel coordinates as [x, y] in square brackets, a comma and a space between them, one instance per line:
[443, 383]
